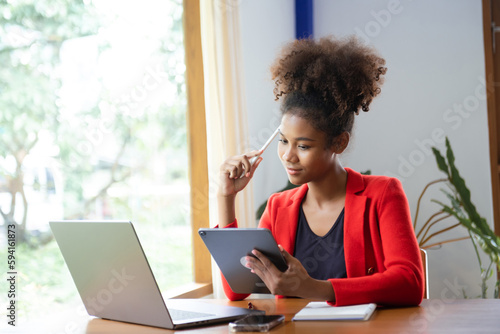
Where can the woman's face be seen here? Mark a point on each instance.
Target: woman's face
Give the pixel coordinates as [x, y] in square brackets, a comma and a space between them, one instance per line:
[302, 150]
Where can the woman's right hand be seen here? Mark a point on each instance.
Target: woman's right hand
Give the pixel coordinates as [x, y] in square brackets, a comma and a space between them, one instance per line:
[236, 172]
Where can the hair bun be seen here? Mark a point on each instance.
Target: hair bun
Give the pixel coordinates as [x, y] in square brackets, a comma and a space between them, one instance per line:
[344, 72]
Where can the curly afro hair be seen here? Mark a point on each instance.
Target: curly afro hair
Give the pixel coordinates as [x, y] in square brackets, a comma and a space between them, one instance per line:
[327, 81]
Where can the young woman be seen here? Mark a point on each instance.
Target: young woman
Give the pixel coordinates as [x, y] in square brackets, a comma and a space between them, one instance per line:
[347, 238]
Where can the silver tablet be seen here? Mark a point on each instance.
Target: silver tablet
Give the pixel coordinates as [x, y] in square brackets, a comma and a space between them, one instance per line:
[230, 246]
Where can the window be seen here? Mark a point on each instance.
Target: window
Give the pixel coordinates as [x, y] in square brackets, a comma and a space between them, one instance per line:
[93, 126]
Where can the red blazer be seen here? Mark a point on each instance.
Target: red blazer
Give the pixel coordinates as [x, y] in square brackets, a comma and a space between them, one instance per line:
[381, 251]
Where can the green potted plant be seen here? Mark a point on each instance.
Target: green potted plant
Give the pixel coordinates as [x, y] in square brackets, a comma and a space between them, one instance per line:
[461, 208]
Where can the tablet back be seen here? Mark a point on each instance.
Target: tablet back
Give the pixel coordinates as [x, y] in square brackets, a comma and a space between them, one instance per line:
[230, 246]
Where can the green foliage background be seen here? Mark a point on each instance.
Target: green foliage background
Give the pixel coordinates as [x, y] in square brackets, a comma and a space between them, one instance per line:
[132, 136]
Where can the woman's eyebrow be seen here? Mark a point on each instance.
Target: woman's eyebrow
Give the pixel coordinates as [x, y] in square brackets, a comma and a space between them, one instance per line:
[304, 139]
[299, 138]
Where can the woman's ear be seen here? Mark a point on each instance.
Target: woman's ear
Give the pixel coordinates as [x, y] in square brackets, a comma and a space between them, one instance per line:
[341, 142]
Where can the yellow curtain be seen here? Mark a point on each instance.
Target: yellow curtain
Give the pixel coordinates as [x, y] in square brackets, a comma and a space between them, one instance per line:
[226, 116]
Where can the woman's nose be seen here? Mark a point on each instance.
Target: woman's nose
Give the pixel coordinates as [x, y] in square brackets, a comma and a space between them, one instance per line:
[289, 155]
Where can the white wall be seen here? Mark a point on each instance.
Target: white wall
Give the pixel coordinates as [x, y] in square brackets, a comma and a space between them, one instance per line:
[434, 88]
[266, 26]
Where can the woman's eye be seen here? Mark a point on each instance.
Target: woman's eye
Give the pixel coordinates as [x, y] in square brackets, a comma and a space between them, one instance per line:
[304, 147]
[284, 141]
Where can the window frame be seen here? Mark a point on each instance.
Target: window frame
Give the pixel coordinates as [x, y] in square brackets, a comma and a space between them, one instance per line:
[197, 151]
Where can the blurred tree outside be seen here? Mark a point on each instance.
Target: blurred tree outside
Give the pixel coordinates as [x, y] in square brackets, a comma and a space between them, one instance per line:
[92, 126]
[31, 37]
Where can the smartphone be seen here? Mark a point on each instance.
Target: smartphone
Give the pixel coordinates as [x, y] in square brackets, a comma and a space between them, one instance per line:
[256, 323]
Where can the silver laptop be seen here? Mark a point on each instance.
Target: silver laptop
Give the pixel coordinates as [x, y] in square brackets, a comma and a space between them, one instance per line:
[113, 277]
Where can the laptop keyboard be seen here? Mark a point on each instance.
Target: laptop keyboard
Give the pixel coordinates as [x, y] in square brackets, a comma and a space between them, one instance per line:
[185, 315]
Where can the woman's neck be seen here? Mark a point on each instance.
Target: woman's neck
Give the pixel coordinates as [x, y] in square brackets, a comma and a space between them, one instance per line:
[328, 190]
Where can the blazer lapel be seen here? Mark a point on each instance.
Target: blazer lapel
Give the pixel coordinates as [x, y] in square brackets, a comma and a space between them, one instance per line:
[354, 223]
[355, 207]
[286, 232]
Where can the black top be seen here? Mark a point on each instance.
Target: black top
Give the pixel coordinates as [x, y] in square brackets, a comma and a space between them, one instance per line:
[322, 257]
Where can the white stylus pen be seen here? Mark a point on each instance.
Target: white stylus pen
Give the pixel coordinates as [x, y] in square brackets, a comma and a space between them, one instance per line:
[275, 133]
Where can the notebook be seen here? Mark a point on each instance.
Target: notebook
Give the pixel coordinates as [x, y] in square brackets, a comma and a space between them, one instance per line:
[323, 311]
[115, 281]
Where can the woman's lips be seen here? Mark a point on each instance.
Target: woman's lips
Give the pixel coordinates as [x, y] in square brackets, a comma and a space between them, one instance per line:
[293, 171]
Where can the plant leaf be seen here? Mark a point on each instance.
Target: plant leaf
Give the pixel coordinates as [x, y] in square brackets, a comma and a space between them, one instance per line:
[441, 162]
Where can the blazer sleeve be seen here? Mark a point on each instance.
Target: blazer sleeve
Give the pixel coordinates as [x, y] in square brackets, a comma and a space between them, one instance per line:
[401, 280]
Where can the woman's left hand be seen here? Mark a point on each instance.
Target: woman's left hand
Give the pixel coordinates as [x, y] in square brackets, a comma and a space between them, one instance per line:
[293, 282]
